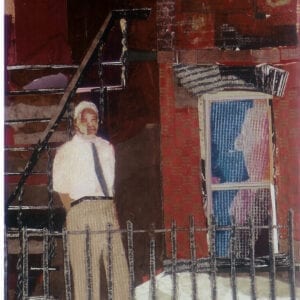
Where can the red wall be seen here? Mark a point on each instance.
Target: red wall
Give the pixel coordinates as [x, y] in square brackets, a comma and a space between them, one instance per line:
[180, 151]
[180, 166]
[41, 32]
[287, 130]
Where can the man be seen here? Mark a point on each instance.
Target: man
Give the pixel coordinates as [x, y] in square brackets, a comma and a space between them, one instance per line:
[83, 175]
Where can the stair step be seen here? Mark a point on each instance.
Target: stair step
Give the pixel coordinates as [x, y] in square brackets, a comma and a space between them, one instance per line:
[42, 269]
[31, 133]
[13, 233]
[17, 158]
[28, 207]
[97, 89]
[35, 100]
[34, 195]
[23, 149]
[35, 120]
[43, 67]
[32, 92]
[34, 127]
[79, 90]
[41, 298]
[33, 180]
[40, 67]
[21, 172]
[35, 242]
[112, 63]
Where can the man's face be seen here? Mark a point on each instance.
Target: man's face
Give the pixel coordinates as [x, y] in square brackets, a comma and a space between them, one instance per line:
[87, 124]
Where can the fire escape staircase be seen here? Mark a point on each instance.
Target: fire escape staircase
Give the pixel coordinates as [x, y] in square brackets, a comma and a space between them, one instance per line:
[34, 240]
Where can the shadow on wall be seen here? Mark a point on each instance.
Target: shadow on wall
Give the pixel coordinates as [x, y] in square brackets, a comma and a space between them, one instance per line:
[138, 191]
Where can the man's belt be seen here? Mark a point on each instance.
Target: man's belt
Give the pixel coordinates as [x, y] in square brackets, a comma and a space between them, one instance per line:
[92, 198]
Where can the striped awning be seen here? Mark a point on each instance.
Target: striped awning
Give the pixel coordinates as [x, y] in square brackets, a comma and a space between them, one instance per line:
[202, 79]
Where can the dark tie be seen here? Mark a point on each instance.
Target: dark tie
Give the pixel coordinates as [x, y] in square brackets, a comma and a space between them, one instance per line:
[99, 171]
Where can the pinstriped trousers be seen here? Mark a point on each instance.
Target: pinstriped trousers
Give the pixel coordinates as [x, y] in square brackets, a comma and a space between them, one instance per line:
[96, 215]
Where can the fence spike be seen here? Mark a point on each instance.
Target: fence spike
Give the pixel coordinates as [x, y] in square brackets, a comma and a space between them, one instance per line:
[213, 261]
[46, 262]
[292, 271]
[130, 259]
[233, 259]
[25, 262]
[152, 268]
[174, 259]
[252, 258]
[193, 256]
[109, 262]
[67, 267]
[272, 268]
[88, 262]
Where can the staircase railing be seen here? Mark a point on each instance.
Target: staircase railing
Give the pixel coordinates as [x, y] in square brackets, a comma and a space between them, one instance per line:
[70, 90]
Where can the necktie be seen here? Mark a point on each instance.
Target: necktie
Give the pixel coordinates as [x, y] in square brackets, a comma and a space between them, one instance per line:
[99, 172]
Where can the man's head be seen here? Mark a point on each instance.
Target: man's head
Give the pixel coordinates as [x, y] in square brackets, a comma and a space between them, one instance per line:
[86, 118]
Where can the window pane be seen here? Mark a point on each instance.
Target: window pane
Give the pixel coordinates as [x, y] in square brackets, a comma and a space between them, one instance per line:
[241, 204]
[240, 141]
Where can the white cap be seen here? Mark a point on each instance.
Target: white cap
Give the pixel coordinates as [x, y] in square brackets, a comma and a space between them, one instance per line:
[84, 105]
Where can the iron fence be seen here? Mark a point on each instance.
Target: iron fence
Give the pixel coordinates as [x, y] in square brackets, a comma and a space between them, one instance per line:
[273, 263]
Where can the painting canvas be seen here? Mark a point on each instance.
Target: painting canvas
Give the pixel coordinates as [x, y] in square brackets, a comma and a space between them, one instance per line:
[185, 116]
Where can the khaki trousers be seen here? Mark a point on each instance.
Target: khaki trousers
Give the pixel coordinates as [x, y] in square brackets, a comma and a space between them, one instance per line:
[96, 214]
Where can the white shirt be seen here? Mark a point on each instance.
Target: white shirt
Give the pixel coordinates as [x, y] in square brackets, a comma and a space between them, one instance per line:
[74, 170]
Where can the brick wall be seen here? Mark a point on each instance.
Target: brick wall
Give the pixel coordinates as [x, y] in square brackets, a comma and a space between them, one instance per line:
[195, 25]
[42, 37]
[165, 24]
[180, 151]
[287, 163]
[180, 166]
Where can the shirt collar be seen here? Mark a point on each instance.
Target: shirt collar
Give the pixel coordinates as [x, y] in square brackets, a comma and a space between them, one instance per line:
[85, 138]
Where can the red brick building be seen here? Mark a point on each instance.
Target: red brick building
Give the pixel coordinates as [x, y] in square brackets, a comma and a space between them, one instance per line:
[188, 34]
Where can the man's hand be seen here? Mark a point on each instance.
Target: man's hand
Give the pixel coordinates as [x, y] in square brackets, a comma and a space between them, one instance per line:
[66, 200]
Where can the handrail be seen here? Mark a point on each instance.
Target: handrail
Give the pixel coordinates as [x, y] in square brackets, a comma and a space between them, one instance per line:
[72, 86]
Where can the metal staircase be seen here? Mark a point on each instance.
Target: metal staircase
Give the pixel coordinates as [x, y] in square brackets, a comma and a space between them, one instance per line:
[34, 215]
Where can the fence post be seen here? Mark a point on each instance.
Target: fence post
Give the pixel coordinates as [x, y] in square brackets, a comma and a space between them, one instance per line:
[252, 258]
[109, 262]
[193, 256]
[233, 259]
[272, 270]
[174, 259]
[5, 266]
[67, 268]
[88, 262]
[25, 261]
[152, 266]
[291, 254]
[130, 259]
[213, 262]
[46, 262]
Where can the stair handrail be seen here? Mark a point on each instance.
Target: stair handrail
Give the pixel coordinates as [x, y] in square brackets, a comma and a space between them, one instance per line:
[70, 90]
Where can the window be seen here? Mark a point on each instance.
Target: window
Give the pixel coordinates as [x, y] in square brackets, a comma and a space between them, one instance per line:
[238, 166]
